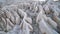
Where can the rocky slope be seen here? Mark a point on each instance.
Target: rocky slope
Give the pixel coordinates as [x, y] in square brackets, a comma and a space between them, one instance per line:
[29, 17]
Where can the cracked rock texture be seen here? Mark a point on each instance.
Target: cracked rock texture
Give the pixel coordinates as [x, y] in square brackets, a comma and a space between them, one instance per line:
[29, 17]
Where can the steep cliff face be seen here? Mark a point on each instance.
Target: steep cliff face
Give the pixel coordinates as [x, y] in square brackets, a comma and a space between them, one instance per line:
[29, 17]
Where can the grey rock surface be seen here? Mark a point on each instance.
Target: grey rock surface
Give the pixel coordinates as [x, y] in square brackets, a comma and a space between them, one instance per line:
[29, 17]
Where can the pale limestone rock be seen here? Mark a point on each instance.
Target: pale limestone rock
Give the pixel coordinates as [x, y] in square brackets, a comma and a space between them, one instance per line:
[51, 22]
[45, 28]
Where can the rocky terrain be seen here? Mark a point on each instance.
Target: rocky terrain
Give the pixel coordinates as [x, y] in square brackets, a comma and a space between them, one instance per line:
[29, 17]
